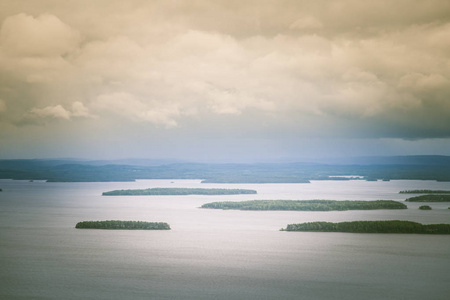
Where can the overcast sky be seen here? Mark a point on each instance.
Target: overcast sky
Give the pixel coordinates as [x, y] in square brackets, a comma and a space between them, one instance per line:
[224, 80]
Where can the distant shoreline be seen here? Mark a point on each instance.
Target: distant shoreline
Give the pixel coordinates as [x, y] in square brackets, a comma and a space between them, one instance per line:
[397, 168]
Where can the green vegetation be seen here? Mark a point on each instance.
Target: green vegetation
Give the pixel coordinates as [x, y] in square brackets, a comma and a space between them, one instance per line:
[425, 207]
[130, 225]
[424, 192]
[178, 191]
[306, 205]
[395, 226]
[429, 198]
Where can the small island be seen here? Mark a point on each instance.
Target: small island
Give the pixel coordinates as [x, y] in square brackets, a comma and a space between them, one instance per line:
[394, 226]
[122, 225]
[306, 205]
[177, 191]
[424, 192]
[425, 207]
[429, 198]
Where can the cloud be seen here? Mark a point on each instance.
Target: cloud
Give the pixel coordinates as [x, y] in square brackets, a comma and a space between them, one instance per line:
[57, 112]
[46, 35]
[79, 110]
[128, 106]
[341, 69]
[33, 49]
[3, 107]
[308, 22]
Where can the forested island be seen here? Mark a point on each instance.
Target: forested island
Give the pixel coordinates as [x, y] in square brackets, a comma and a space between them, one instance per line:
[126, 225]
[425, 207]
[394, 226]
[306, 205]
[424, 192]
[177, 191]
[429, 198]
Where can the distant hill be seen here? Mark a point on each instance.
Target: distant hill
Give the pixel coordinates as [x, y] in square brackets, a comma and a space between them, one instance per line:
[427, 160]
[385, 168]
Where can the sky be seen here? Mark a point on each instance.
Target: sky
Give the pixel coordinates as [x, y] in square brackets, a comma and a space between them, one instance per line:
[224, 81]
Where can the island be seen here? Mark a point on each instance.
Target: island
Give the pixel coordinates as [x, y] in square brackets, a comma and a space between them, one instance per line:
[306, 205]
[177, 191]
[125, 225]
[429, 198]
[425, 207]
[394, 226]
[424, 192]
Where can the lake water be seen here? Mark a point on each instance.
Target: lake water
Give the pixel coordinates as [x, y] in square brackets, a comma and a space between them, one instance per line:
[214, 254]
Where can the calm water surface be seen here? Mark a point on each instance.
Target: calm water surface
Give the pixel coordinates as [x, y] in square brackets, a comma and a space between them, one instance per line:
[214, 254]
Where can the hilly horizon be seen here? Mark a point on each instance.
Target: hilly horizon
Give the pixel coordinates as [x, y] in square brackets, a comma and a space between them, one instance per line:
[371, 168]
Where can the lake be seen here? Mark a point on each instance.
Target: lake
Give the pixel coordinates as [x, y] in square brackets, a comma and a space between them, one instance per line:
[214, 254]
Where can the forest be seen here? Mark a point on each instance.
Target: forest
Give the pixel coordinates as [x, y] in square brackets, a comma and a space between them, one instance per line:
[429, 198]
[128, 225]
[394, 226]
[409, 168]
[306, 205]
[425, 207]
[424, 192]
[177, 191]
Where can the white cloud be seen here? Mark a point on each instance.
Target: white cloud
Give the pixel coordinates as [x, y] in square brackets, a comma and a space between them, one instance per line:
[79, 110]
[128, 106]
[57, 112]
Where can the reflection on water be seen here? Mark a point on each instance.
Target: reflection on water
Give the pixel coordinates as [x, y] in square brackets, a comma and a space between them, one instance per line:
[214, 254]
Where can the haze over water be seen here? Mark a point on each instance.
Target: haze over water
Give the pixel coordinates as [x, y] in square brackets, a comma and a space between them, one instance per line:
[214, 254]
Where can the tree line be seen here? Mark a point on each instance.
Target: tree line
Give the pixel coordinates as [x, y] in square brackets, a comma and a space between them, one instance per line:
[394, 226]
[177, 191]
[115, 224]
[306, 205]
[429, 198]
[424, 192]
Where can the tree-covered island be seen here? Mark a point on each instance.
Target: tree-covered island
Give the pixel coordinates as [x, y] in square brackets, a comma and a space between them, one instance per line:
[125, 225]
[394, 226]
[425, 207]
[429, 198]
[306, 205]
[177, 191]
[424, 192]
